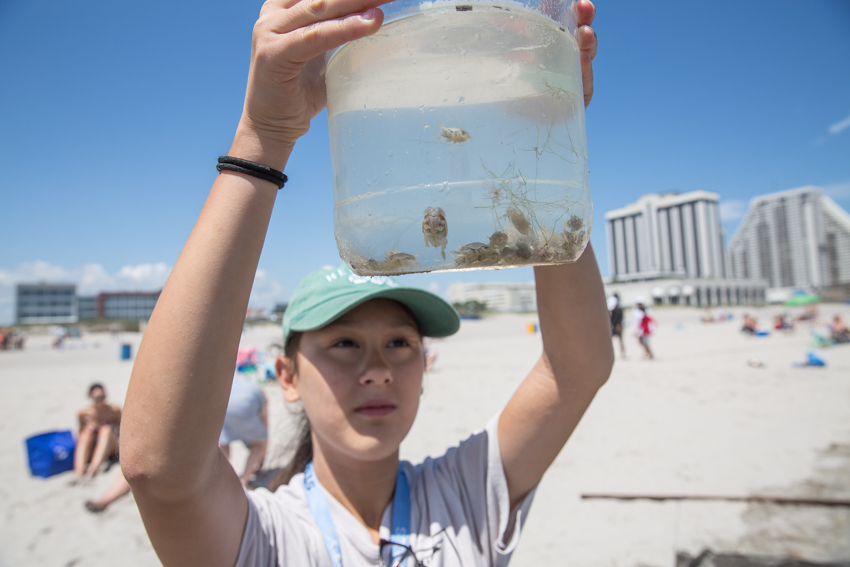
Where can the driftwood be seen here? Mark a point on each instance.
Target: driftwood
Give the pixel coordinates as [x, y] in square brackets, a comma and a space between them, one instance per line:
[750, 499]
[710, 559]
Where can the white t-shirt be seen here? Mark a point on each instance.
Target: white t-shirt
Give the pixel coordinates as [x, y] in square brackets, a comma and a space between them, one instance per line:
[460, 516]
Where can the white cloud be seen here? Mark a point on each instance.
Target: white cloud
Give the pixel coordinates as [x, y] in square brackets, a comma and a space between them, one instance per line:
[92, 279]
[839, 126]
[267, 291]
[732, 210]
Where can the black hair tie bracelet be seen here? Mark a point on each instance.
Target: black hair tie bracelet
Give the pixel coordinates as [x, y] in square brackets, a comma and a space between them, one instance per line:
[253, 169]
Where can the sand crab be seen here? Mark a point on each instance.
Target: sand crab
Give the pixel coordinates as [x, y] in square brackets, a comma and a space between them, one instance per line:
[509, 255]
[498, 240]
[435, 229]
[454, 134]
[397, 260]
[476, 253]
[519, 220]
[575, 223]
[523, 251]
[572, 242]
[394, 261]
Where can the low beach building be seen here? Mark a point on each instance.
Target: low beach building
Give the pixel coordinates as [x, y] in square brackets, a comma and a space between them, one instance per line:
[87, 307]
[498, 296]
[45, 303]
[127, 305]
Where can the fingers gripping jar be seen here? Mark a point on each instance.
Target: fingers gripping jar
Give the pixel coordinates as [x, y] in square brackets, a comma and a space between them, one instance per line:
[458, 139]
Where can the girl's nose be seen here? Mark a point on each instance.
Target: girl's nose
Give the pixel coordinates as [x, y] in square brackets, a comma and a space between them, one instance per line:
[376, 371]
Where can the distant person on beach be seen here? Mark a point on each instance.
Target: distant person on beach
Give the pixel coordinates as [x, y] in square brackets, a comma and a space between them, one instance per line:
[246, 420]
[750, 325]
[430, 354]
[840, 333]
[98, 433]
[809, 314]
[11, 340]
[643, 325]
[354, 360]
[782, 323]
[60, 334]
[615, 312]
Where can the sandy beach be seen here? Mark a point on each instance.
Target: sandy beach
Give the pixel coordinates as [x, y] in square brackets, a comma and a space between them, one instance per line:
[698, 420]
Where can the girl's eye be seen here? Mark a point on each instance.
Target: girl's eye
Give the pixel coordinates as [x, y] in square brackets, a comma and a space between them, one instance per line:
[398, 343]
[345, 343]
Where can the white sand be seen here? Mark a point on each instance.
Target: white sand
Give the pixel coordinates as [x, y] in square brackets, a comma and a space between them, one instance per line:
[698, 420]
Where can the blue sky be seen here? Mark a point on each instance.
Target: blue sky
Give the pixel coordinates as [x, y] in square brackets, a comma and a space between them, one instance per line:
[112, 116]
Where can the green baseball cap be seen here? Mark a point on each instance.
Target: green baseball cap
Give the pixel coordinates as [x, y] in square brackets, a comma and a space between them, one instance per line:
[326, 294]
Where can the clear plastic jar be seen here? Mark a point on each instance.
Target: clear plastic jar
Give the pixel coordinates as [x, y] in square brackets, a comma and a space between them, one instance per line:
[458, 139]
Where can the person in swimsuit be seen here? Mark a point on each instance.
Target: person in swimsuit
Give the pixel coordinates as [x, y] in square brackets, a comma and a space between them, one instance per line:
[98, 434]
[354, 358]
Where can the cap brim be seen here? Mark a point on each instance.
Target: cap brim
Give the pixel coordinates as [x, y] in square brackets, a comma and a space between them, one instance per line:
[435, 316]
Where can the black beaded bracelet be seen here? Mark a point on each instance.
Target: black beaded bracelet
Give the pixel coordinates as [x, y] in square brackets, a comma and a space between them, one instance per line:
[263, 172]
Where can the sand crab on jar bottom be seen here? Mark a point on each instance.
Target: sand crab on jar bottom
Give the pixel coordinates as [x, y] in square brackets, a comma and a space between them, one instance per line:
[435, 229]
[564, 247]
[394, 261]
[453, 134]
[498, 240]
[476, 254]
[523, 251]
[573, 243]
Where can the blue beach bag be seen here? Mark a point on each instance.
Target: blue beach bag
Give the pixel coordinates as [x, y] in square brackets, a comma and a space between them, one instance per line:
[51, 453]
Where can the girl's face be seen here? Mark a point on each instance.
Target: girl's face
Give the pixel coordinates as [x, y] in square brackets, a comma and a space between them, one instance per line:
[360, 378]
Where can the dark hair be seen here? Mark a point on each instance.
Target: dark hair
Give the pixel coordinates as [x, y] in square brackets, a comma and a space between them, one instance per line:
[95, 386]
[304, 448]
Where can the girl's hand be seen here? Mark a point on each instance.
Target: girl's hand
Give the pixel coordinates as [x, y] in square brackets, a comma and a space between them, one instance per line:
[586, 38]
[286, 81]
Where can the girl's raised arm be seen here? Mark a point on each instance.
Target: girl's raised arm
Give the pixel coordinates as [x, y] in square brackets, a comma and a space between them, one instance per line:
[191, 501]
[577, 351]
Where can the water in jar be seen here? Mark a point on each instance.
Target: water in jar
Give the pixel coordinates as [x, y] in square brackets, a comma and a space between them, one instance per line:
[458, 142]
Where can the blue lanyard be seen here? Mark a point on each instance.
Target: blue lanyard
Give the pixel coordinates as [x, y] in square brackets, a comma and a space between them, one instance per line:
[322, 514]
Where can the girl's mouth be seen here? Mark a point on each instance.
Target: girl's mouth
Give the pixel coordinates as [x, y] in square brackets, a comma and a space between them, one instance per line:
[377, 407]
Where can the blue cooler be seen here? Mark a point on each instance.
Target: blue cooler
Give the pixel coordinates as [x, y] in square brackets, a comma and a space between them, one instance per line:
[125, 351]
[51, 453]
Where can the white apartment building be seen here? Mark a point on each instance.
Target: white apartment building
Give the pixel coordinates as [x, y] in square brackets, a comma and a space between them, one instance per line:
[669, 235]
[498, 296]
[797, 238]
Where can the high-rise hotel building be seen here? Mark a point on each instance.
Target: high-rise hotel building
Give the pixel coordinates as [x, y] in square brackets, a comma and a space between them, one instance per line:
[669, 235]
[798, 238]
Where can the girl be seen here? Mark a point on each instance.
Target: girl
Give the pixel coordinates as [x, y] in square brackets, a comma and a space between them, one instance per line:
[354, 358]
[643, 325]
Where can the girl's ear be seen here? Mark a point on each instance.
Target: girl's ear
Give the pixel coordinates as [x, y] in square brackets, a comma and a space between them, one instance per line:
[285, 369]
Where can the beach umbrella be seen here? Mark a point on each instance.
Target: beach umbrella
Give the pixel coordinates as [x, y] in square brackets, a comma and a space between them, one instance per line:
[803, 299]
